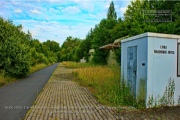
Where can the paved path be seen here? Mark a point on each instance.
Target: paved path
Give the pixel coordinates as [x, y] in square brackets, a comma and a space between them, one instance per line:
[64, 99]
[15, 98]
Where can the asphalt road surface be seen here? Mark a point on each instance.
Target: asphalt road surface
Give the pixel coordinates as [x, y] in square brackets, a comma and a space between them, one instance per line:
[17, 98]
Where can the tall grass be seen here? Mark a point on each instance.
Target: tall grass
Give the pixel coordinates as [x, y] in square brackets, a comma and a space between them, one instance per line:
[102, 81]
[70, 64]
[5, 80]
[37, 67]
[105, 83]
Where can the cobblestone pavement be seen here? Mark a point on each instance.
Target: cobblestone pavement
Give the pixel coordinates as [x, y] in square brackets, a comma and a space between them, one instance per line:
[64, 99]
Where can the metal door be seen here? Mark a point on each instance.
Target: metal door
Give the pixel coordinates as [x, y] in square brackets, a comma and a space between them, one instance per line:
[132, 68]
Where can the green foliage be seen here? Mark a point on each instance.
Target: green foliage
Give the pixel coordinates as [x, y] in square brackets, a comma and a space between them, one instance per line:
[117, 52]
[81, 50]
[141, 97]
[70, 50]
[14, 52]
[100, 57]
[19, 51]
[46, 52]
[38, 58]
[150, 103]
[126, 97]
[111, 12]
[52, 45]
[71, 64]
[37, 67]
[102, 36]
[167, 98]
[107, 88]
[5, 80]
[119, 30]
[110, 29]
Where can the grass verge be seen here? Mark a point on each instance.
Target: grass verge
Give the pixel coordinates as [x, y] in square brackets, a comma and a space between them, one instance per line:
[70, 64]
[7, 80]
[37, 67]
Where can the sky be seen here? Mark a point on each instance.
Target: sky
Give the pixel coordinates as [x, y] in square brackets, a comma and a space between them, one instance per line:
[58, 19]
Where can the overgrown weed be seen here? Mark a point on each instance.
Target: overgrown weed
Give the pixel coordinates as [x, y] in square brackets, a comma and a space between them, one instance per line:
[104, 83]
[37, 67]
[70, 64]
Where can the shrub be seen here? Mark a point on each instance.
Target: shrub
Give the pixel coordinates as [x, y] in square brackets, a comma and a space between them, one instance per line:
[14, 51]
[16, 59]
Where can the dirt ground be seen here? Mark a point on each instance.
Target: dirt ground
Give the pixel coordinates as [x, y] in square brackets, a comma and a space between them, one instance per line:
[163, 113]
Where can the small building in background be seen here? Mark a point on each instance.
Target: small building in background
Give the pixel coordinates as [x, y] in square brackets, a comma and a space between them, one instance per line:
[111, 58]
[91, 54]
[150, 64]
[83, 60]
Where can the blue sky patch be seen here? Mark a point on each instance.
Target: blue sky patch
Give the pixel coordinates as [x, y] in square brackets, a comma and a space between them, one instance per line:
[58, 19]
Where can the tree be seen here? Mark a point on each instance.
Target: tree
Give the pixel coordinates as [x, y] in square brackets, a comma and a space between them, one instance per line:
[176, 15]
[134, 18]
[111, 12]
[68, 49]
[28, 35]
[101, 35]
[100, 38]
[52, 45]
[14, 50]
[119, 30]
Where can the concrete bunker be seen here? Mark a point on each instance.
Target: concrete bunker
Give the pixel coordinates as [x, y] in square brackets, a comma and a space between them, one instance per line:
[150, 64]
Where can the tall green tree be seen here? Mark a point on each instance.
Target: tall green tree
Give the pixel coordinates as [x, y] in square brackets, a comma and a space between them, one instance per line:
[52, 45]
[134, 18]
[68, 49]
[14, 51]
[111, 12]
[102, 35]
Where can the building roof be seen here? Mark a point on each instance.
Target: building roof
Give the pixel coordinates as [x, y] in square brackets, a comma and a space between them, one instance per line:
[150, 34]
[110, 46]
[91, 51]
[115, 44]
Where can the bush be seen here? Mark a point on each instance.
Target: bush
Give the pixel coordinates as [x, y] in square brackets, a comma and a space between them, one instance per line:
[15, 59]
[38, 58]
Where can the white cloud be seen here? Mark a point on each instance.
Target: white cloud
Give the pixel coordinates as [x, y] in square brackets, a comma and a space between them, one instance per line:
[107, 6]
[52, 10]
[35, 11]
[43, 30]
[107, 3]
[53, 1]
[87, 5]
[59, 18]
[77, 0]
[18, 11]
[123, 10]
[71, 10]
